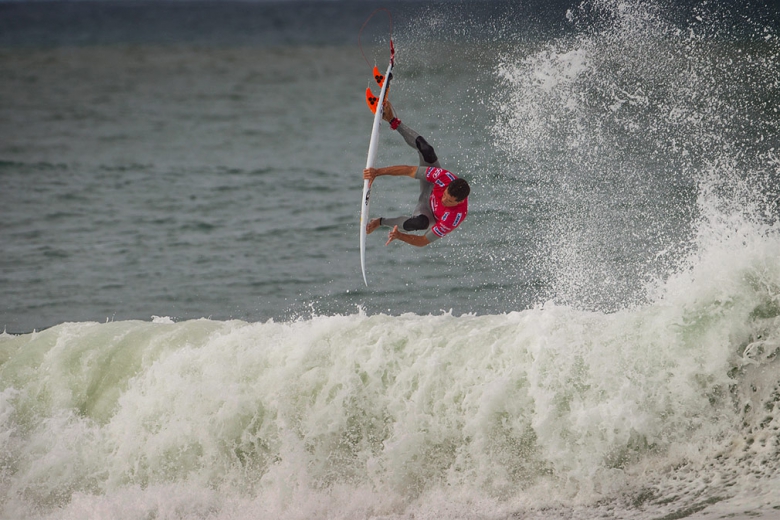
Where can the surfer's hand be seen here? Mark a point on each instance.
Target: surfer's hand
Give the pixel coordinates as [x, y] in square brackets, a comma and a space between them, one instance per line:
[370, 174]
[394, 234]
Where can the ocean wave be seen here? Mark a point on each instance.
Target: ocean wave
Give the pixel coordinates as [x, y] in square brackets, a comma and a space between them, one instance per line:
[550, 407]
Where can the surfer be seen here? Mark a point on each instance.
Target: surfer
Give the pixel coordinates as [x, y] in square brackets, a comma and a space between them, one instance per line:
[443, 202]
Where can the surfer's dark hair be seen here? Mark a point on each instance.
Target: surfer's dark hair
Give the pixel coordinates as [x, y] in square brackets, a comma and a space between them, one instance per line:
[459, 189]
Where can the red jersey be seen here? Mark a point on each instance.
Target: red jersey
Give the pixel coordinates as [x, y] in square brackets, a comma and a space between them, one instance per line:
[447, 218]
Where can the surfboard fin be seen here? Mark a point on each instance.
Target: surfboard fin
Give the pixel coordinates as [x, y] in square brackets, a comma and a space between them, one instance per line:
[371, 100]
[379, 77]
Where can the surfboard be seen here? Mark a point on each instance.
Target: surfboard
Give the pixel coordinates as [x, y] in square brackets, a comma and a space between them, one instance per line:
[373, 145]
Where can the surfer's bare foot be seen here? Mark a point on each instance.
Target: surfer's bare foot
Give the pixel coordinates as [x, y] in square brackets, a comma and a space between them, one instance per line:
[388, 114]
[372, 226]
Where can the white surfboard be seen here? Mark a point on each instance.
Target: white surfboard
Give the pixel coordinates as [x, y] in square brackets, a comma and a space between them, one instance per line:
[372, 148]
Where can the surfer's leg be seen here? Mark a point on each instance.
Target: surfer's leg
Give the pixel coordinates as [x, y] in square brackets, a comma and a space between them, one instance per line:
[421, 219]
[417, 223]
[425, 151]
[423, 208]
[406, 223]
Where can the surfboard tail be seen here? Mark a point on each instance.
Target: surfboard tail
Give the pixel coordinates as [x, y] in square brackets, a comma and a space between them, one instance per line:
[371, 99]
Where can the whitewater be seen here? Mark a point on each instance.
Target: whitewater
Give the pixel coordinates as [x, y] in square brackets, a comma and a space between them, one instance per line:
[545, 413]
[187, 335]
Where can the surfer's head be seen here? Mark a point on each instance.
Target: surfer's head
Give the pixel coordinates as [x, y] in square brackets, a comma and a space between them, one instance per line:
[456, 192]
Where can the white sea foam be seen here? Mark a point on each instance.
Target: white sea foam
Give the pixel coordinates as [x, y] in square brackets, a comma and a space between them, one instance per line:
[380, 416]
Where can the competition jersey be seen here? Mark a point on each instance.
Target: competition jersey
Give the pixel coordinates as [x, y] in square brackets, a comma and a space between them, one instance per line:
[447, 218]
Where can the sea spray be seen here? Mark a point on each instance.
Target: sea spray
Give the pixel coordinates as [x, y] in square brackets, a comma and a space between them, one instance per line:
[624, 121]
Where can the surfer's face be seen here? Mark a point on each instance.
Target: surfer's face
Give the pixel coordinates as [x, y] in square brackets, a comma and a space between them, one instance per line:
[448, 200]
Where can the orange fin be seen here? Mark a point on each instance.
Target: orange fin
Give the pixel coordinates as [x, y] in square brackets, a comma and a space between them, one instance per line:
[378, 77]
[371, 100]
[380, 80]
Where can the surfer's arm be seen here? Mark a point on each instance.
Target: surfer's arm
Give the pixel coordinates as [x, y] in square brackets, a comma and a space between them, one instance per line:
[414, 240]
[396, 171]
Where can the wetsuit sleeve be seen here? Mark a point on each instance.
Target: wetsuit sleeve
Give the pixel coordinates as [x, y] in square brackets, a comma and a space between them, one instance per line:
[431, 236]
[421, 173]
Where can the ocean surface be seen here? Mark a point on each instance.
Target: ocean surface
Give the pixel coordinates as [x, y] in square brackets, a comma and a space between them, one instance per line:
[187, 332]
